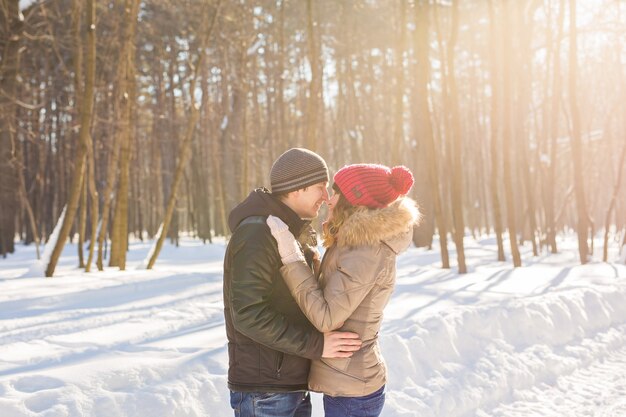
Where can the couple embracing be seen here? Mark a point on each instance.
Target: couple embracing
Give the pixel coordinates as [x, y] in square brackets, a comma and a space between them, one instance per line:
[296, 322]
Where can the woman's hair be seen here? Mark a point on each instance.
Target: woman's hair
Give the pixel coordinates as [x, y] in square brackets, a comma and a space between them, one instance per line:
[342, 210]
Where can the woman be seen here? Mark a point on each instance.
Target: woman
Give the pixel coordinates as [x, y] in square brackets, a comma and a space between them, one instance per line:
[370, 222]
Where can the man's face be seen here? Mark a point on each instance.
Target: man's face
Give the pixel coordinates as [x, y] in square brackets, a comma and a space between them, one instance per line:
[308, 201]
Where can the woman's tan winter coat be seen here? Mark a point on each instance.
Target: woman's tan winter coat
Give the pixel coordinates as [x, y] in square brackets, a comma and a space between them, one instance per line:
[355, 281]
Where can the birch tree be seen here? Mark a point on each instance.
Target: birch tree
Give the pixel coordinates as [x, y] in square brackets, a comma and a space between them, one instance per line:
[83, 142]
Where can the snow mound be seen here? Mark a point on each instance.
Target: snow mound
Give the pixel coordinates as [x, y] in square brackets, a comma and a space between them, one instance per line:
[468, 359]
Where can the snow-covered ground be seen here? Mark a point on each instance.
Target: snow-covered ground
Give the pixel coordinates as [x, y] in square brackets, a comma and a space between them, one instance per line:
[548, 339]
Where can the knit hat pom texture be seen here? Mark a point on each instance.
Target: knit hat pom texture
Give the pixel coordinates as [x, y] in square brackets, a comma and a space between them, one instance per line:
[401, 179]
[373, 185]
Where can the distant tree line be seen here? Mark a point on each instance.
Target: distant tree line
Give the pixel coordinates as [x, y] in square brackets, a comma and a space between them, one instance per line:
[148, 118]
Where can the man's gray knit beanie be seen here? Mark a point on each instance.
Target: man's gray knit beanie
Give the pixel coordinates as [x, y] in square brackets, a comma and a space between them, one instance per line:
[295, 169]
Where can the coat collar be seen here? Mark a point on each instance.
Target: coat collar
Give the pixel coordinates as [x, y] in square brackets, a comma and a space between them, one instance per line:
[392, 225]
[261, 202]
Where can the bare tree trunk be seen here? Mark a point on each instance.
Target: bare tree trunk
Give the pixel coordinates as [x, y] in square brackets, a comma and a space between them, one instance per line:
[82, 221]
[616, 189]
[524, 28]
[85, 122]
[156, 185]
[119, 233]
[457, 143]
[245, 157]
[231, 138]
[8, 89]
[26, 204]
[280, 94]
[186, 142]
[120, 102]
[422, 10]
[126, 89]
[495, 130]
[508, 139]
[315, 86]
[93, 193]
[398, 117]
[551, 218]
[78, 90]
[579, 185]
[218, 187]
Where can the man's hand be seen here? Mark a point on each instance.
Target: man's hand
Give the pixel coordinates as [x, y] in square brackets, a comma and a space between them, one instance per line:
[340, 344]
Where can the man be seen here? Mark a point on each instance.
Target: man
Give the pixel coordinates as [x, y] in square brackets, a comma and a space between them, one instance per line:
[270, 341]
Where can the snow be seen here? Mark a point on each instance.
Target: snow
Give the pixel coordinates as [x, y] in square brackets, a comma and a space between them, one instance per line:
[548, 339]
[255, 47]
[38, 268]
[153, 248]
[25, 4]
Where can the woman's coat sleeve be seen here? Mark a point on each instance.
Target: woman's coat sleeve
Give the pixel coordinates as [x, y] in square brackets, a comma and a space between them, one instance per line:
[346, 287]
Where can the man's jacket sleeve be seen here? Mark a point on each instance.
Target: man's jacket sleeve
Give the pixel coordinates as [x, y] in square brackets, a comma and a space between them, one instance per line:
[254, 264]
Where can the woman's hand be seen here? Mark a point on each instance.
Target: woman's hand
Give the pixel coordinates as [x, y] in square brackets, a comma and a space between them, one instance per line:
[288, 247]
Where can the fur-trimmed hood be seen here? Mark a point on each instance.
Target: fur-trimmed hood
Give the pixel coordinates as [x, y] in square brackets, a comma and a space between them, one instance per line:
[392, 225]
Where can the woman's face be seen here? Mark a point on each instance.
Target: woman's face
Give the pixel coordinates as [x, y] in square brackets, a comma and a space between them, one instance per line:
[332, 201]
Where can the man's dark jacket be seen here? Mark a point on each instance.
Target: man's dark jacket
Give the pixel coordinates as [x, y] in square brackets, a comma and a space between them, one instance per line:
[270, 341]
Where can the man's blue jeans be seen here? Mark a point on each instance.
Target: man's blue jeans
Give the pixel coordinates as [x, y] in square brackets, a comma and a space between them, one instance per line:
[367, 406]
[271, 404]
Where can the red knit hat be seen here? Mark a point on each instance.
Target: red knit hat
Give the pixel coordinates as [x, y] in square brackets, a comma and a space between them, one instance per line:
[373, 185]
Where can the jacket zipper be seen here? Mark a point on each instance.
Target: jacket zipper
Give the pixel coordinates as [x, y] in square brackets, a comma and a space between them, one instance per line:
[279, 363]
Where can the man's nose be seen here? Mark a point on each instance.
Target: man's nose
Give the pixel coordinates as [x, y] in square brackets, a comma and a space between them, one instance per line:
[325, 196]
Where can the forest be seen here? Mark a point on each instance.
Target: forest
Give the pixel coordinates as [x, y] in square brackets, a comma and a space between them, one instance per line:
[149, 119]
